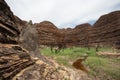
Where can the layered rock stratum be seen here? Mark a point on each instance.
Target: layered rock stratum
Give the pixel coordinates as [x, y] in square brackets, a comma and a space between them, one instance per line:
[105, 32]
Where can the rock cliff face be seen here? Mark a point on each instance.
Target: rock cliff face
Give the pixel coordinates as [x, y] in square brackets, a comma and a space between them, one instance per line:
[48, 33]
[8, 28]
[79, 35]
[20, 23]
[12, 58]
[105, 32]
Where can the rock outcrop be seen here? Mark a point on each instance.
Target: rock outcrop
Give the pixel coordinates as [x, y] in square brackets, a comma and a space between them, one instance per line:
[20, 23]
[48, 33]
[8, 28]
[12, 57]
[12, 61]
[106, 31]
[79, 35]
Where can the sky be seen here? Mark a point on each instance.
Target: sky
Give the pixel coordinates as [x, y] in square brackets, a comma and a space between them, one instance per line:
[63, 13]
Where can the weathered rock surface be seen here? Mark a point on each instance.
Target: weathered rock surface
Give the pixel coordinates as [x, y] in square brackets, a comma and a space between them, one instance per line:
[12, 61]
[48, 33]
[105, 32]
[79, 35]
[43, 71]
[20, 23]
[8, 28]
[39, 71]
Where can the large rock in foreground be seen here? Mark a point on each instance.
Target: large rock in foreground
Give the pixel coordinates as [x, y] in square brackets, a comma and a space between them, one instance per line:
[12, 60]
[42, 71]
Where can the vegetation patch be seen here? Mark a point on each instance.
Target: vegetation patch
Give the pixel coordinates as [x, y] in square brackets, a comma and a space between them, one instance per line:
[102, 67]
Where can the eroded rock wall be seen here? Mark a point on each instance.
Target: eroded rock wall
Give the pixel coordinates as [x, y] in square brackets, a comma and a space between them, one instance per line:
[48, 33]
[105, 32]
[8, 28]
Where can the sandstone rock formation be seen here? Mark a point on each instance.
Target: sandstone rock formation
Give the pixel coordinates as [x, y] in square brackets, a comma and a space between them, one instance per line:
[79, 35]
[8, 28]
[12, 58]
[12, 61]
[20, 23]
[49, 34]
[105, 32]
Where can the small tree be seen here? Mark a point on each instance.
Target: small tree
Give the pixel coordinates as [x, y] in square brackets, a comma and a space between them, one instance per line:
[29, 39]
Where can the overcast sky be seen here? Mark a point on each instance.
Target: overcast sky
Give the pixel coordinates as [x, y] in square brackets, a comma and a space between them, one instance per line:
[63, 13]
